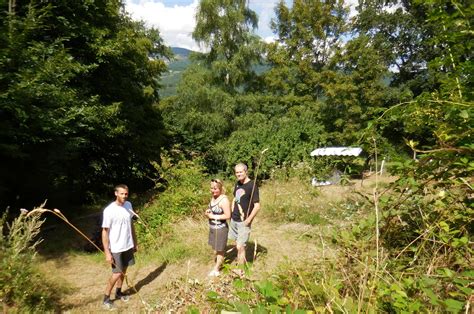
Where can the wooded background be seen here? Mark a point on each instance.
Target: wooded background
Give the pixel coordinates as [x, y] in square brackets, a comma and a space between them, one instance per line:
[80, 84]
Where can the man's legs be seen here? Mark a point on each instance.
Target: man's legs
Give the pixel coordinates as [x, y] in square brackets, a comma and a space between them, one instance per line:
[241, 259]
[119, 268]
[116, 278]
[239, 232]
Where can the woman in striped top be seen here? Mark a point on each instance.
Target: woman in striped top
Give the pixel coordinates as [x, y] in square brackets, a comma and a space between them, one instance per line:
[218, 212]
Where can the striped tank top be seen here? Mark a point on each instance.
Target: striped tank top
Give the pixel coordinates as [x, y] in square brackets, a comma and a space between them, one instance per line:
[217, 210]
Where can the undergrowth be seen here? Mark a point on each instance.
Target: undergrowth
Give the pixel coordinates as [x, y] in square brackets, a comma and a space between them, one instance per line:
[416, 258]
[183, 193]
[296, 201]
[22, 286]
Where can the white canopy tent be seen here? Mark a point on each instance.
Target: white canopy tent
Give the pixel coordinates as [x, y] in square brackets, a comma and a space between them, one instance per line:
[337, 151]
[333, 151]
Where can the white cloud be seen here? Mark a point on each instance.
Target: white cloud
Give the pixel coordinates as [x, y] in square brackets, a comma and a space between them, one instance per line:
[265, 12]
[175, 23]
[352, 6]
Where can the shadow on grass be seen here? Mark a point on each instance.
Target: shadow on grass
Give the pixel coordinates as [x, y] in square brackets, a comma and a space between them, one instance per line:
[148, 279]
[251, 254]
[59, 238]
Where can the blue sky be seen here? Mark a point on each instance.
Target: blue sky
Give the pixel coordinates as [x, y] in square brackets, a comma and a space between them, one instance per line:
[175, 18]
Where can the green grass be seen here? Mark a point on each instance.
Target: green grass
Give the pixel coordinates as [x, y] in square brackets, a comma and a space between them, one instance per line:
[297, 201]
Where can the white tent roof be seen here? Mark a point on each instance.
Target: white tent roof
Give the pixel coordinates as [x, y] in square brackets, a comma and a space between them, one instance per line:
[337, 151]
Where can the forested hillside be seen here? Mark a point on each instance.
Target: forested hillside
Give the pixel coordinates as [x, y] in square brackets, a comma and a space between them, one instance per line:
[85, 104]
[176, 66]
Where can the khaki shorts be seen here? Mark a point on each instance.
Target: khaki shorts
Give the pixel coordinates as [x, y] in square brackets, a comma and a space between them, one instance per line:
[239, 232]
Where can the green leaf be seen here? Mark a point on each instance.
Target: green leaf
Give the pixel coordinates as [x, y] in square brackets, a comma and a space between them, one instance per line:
[453, 305]
[212, 295]
[464, 114]
[434, 300]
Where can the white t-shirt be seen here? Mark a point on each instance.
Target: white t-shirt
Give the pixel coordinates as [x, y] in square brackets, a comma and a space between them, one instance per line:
[118, 219]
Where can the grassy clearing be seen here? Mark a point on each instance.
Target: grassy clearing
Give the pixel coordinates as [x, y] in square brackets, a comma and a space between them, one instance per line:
[186, 238]
[292, 236]
[296, 201]
[293, 232]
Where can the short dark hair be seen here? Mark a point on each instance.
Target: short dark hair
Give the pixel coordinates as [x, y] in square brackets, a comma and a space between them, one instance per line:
[120, 186]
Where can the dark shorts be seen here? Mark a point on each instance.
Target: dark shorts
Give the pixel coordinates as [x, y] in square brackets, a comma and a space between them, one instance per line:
[122, 260]
[218, 238]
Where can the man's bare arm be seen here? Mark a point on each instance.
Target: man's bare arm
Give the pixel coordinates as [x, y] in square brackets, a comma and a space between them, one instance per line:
[256, 208]
[106, 244]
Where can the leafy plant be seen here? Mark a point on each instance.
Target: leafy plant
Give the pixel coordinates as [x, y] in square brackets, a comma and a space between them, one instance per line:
[22, 287]
[181, 182]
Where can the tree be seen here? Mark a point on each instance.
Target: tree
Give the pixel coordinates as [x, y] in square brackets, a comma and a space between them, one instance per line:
[308, 35]
[225, 28]
[77, 86]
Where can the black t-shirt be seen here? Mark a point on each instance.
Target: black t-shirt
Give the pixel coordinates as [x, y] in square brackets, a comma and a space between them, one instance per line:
[242, 192]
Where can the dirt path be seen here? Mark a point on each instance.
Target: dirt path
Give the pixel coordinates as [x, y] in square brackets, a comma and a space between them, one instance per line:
[85, 275]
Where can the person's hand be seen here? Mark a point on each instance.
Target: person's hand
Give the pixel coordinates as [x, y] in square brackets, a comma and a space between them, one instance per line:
[208, 213]
[247, 222]
[135, 248]
[109, 258]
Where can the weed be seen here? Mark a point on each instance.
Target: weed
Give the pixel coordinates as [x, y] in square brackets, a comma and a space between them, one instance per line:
[22, 286]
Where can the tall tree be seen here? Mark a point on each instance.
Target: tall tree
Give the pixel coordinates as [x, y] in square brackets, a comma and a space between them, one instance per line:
[308, 35]
[77, 86]
[224, 27]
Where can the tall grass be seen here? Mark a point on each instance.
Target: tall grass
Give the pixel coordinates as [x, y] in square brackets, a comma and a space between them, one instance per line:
[295, 200]
[22, 286]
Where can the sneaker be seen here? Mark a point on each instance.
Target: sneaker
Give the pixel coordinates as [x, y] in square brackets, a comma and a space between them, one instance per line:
[214, 273]
[122, 296]
[108, 304]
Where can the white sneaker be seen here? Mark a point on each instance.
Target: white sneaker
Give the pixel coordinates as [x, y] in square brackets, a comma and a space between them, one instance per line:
[108, 305]
[214, 273]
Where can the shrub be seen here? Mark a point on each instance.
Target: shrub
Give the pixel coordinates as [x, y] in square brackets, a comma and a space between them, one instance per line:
[183, 194]
[21, 284]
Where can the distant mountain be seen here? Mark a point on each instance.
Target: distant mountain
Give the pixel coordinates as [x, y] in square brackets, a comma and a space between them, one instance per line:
[176, 67]
[181, 52]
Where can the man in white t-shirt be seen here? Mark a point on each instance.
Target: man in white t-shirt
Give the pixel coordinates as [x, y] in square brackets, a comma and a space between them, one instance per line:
[119, 240]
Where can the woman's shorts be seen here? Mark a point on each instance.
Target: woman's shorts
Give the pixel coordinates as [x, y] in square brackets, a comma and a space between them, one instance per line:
[218, 238]
[122, 260]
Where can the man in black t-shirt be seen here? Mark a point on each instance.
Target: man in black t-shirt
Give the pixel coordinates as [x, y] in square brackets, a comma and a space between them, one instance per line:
[245, 205]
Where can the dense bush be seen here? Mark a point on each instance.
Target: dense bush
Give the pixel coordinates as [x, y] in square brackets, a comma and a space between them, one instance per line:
[77, 86]
[181, 193]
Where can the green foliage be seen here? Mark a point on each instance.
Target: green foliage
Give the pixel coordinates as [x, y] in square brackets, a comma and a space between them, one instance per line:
[22, 287]
[76, 84]
[183, 195]
[200, 115]
[288, 137]
[224, 27]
